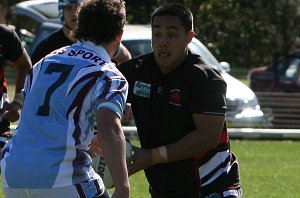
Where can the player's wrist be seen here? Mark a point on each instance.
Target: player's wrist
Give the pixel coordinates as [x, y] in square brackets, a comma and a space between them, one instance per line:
[160, 155]
[18, 99]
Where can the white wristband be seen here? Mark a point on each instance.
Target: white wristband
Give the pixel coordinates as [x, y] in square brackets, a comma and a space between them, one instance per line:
[160, 154]
[163, 153]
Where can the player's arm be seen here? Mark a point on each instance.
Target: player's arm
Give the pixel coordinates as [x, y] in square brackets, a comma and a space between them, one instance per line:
[112, 142]
[204, 138]
[22, 66]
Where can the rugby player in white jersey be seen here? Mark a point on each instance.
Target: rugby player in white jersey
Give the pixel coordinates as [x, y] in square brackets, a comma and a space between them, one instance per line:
[64, 94]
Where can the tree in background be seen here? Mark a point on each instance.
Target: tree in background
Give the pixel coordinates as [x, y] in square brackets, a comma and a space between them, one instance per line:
[139, 12]
[244, 33]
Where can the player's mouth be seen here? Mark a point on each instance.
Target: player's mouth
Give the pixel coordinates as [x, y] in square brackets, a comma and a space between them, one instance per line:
[163, 54]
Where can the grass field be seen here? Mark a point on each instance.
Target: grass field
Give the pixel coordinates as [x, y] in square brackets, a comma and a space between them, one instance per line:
[269, 169]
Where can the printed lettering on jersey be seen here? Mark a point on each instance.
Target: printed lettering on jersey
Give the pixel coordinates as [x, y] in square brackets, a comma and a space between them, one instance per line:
[80, 54]
[175, 97]
[142, 89]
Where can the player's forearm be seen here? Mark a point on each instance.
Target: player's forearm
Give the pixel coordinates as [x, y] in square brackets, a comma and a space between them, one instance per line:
[22, 66]
[197, 142]
[112, 143]
[113, 149]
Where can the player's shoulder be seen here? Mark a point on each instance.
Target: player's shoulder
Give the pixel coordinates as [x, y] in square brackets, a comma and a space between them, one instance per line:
[5, 30]
[197, 67]
[8, 35]
[136, 63]
[54, 39]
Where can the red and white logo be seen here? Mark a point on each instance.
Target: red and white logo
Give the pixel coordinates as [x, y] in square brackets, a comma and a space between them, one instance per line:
[175, 97]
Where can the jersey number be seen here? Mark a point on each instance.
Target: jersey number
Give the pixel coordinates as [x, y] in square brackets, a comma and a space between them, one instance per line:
[59, 68]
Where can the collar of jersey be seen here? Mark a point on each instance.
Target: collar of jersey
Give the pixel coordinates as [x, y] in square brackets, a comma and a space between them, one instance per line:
[99, 49]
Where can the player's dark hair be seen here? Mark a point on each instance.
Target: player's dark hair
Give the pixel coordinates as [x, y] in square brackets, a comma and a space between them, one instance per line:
[177, 10]
[100, 21]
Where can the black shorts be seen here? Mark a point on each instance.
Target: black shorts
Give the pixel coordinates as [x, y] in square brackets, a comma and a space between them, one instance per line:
[236, 193]
[194, 193]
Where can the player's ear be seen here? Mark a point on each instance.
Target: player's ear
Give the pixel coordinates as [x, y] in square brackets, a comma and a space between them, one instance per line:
[189, 36]
[119, 36]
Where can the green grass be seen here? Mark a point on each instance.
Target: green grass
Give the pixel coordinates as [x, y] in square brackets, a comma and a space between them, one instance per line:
[269, 169]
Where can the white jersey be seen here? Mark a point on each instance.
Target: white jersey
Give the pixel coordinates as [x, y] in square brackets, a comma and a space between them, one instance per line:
[62, 94]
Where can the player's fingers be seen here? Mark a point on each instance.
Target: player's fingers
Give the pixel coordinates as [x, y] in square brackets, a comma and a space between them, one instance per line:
[11, 116]
[135, 148]
[6, 115]
[131, 159]
[132, 169]
[11, 112]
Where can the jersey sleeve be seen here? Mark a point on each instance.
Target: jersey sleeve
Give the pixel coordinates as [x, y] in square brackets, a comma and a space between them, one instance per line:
[111, 92]
[129, 70]
[13, 45]
[208, 93]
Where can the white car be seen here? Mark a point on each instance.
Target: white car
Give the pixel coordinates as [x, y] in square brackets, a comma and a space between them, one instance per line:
[243, 109]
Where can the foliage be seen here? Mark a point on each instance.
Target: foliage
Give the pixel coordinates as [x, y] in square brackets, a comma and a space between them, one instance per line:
[247, 33]
[244, 33]
[140, 11]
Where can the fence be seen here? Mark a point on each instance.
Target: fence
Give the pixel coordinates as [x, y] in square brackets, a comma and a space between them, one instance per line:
[236, 133]
[282, 110]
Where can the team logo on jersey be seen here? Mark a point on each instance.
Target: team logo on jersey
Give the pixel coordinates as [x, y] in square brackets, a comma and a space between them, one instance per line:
[142, 89]
[175, 97]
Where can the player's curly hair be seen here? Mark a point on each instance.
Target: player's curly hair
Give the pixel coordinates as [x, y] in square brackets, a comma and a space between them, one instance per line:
[100, 21]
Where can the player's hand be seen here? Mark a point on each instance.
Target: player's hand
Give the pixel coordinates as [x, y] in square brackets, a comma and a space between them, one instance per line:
[11, 111]
[121, 193]
[140, 160]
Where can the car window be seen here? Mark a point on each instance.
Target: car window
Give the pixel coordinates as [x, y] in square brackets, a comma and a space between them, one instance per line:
[26, 23]
[49, 10]
[291, 71]
[138, 47]
[288, 68]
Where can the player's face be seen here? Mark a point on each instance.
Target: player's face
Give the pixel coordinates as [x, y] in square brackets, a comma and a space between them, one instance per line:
[70, 14]
[169, 42]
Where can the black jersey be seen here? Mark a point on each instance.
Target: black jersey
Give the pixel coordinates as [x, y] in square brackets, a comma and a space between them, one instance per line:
[10, 49]
[56, 40]
[163, 105]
